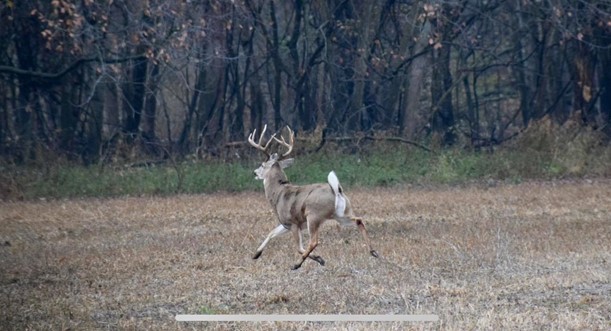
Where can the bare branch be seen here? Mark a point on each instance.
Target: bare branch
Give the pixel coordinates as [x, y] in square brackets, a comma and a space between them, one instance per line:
[54, 76]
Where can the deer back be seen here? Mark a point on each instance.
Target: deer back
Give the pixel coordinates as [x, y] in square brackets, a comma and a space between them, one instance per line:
[293, 204]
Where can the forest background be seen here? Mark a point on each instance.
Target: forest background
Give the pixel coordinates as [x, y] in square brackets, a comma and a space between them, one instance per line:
[391, 91]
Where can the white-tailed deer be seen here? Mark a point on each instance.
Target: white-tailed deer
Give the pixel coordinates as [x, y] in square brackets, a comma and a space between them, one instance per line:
[299, 206]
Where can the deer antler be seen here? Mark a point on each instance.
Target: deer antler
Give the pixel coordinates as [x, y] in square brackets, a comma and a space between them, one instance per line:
[258, 145]
[288, 145]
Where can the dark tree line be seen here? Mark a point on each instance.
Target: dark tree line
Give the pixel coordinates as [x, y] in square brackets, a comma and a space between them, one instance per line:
[93, 80]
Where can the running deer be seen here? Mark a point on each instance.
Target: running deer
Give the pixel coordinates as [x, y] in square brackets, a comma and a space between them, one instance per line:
[299, 206]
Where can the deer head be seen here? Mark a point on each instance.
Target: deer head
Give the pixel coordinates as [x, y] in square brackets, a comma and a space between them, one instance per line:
[272, 158]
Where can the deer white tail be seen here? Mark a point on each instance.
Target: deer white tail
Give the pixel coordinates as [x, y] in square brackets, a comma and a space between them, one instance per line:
[340, 200]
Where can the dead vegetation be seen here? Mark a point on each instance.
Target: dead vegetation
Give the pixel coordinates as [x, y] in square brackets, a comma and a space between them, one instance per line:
[570, 148]
[530, 256]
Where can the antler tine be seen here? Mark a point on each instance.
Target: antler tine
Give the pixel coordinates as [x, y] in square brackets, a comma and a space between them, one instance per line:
[288, 145]
[258, 145]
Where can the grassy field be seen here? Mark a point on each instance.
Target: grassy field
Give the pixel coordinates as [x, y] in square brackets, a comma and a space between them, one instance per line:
[382, 165]
[534, 255]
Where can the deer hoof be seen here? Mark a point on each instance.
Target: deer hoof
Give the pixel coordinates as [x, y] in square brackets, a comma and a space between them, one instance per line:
[296, 266]
[374, 253]
[318, 259]
[257, 255]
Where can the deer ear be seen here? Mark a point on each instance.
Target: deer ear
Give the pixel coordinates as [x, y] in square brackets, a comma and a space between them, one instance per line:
[286, 163]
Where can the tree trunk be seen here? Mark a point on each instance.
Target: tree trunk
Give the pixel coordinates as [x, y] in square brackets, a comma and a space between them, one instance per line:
[277, 61]
[584, 85]
[113, 111]
[441, 93]
[133, 93]
[257, 107]
[605, 85]
[68, 117]
[519, 70]
[186, 137]
[371, 13]
[472, 111]
[148, 125]
[411, 120]
[92, 128]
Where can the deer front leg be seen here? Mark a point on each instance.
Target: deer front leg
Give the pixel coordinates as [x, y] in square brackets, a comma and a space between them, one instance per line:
[280, 229]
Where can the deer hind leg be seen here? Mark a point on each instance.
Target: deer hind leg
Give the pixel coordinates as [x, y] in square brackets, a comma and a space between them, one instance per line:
[299, 240]
[279, 230]
[313, 230]
[361, 226]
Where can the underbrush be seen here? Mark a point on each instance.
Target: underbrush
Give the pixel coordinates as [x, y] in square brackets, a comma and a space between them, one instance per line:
[544, 151]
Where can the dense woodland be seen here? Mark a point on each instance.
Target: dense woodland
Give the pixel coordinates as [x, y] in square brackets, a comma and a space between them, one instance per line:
[106, 79]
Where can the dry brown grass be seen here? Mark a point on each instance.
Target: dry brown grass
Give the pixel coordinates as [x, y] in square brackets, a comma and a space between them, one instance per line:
[528, 256]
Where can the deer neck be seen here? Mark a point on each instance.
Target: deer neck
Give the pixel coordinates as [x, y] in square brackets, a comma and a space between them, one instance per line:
[275, 183]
